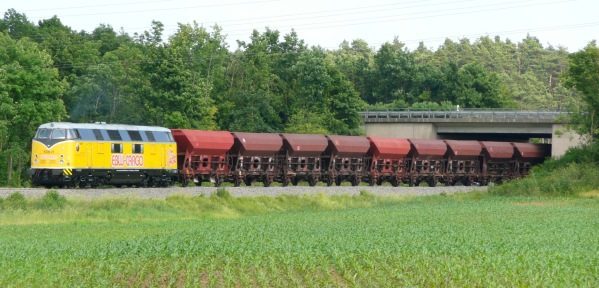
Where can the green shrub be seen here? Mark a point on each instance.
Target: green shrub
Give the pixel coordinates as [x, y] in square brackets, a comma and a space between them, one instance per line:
[223, 193]
[16, 201]
[571, 174]
[561, 181]
[51, 200]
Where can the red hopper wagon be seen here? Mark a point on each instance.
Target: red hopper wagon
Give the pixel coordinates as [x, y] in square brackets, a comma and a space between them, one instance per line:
[388, 160]
[202, 155]
[255, 157]
[345, 159]
[301, 157]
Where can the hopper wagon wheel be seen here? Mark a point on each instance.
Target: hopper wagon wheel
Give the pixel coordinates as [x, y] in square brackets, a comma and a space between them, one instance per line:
[432, 182]
[371, 181]
[338, 181]
[248, 182]
[329, 181]
[312, 181]
[237, 182]
[355, 181]
[294, 181]
[184, 181]
[217, 181]
[285, 182]
[468, 182]
[267, 182]
[394, 182]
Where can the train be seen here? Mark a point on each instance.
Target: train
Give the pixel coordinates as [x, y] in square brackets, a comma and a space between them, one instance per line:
[93, 154]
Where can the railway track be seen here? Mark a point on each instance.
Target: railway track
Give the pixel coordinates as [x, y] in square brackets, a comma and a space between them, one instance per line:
[161, 193]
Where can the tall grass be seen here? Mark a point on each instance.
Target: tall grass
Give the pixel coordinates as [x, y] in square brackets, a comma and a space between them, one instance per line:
[53, 207]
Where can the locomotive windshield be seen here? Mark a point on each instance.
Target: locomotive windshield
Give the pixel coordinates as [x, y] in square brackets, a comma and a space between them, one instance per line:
[57, 134]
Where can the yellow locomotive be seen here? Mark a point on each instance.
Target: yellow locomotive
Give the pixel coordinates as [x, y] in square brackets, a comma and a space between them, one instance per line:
[69, 154]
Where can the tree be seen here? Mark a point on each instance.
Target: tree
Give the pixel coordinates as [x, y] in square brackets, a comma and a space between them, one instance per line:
[356, 62]
[395, 71]
[30, 95]
[583, 75]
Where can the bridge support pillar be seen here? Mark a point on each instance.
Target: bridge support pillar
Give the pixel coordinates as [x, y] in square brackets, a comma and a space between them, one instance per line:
[405, 130]
[561, 140]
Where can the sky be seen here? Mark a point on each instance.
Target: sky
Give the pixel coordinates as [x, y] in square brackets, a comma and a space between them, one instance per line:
[571, 24]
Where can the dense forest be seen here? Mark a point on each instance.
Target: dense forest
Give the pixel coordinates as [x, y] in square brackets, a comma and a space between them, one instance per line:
[269, 83]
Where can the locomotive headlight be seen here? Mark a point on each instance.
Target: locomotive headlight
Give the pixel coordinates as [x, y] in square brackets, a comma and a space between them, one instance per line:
[61, 161]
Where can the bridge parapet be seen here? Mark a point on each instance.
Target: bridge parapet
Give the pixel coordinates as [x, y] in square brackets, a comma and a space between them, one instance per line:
[466, 115]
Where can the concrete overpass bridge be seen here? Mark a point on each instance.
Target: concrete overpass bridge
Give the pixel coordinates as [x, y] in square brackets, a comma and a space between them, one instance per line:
[473, 124]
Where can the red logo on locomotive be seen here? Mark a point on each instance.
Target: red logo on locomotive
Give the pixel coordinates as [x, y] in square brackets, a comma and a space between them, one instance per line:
[120, 160]
[171, 157]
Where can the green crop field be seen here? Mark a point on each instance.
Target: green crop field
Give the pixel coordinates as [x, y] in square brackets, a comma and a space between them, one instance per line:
[461, 240]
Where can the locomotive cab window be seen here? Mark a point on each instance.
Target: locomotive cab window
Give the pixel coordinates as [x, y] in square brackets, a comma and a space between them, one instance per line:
[43, 133]
[138, 148]
[117, 148]
[59, 134]
[73, 134]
